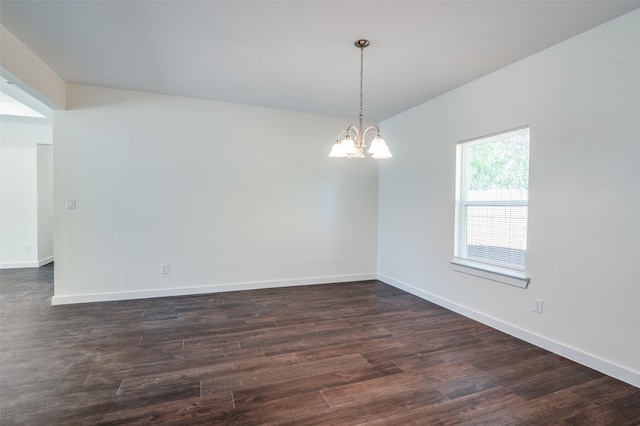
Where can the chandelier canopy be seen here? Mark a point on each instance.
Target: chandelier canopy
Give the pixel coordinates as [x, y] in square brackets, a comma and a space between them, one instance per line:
[352, 141]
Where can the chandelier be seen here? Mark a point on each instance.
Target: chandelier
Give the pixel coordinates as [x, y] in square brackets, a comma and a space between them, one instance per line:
[352, 141]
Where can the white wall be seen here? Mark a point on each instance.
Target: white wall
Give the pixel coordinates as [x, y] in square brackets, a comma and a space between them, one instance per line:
[45, 202]
[230, 196]
[19, 209]
[582, 101]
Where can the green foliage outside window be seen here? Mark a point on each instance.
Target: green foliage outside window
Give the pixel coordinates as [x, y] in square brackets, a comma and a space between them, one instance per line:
[501, 164]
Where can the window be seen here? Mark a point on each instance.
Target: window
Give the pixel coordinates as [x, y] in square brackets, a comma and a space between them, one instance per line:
[492, 193]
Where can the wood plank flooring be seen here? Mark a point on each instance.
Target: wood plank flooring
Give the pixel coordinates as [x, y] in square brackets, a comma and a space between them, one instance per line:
[335, 354]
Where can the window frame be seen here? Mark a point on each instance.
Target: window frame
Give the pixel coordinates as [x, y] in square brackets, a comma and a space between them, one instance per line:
[461, 262]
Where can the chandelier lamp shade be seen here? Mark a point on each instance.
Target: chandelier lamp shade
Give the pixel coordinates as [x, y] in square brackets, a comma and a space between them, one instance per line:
[352, 141]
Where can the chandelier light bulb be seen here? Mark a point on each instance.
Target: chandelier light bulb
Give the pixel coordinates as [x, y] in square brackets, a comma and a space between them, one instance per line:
[348, 146]
[382, 153]
[337, 151]
[377, 145]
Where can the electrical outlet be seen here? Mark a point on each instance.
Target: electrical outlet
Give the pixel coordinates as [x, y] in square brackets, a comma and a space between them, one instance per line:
[537, 306]
[71, 203]
[164, 268]
[26, 248]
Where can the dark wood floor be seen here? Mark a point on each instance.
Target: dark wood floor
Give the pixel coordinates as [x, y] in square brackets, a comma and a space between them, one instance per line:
[338, 354]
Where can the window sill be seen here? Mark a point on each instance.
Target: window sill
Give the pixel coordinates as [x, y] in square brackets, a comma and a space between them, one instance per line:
[490, 272]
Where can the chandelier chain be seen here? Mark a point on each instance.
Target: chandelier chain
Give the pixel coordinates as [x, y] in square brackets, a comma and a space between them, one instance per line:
[361, 76]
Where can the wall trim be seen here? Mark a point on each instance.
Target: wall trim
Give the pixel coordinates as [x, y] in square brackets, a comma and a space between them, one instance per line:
[45, 261]
[204, 289]
[592, 361]
[18, 265]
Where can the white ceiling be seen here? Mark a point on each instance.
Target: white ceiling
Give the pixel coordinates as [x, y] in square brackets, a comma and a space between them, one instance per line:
[296, 55]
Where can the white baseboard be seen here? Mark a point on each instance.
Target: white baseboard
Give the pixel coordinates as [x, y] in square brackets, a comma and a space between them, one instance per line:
[18, 265]
[592, 361]
[204, 289]
[45, 261]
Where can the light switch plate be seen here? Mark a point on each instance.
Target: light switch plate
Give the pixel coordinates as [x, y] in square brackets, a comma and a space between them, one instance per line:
[537, 306]
[71, 203]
